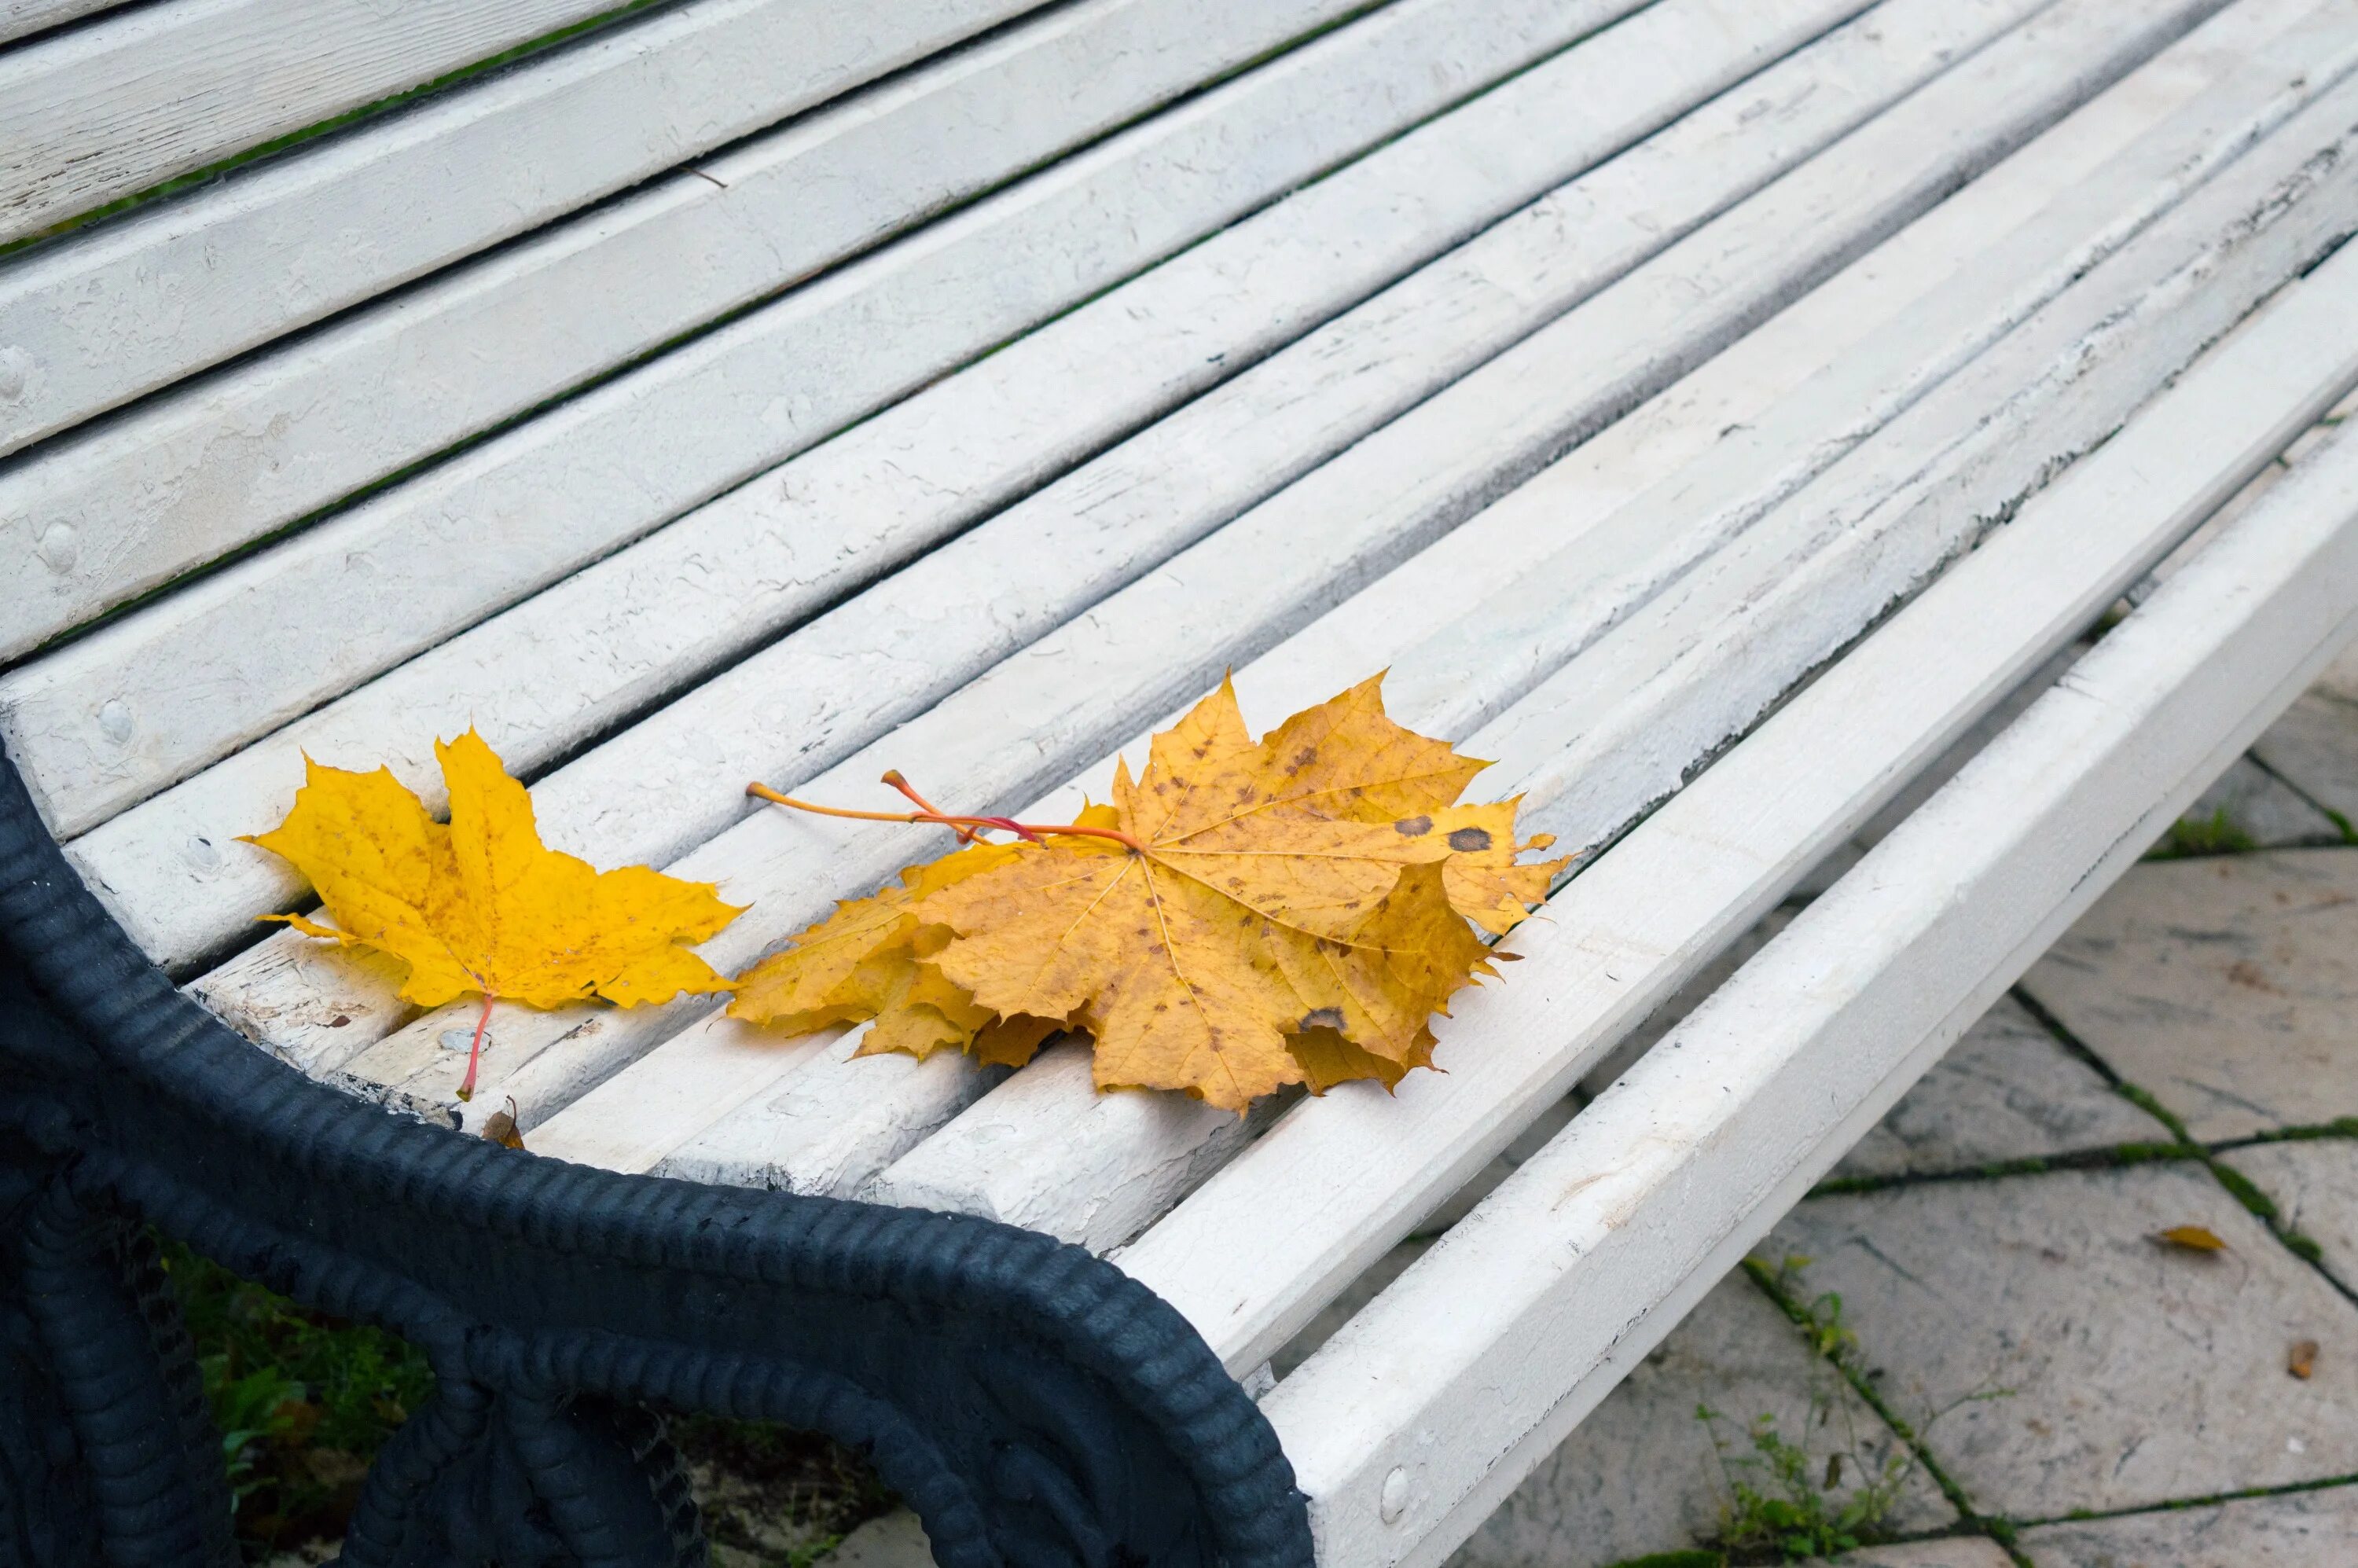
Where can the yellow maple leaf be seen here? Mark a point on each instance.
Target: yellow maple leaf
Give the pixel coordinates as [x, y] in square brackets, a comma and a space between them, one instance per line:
[481, 906]
[1245, 914]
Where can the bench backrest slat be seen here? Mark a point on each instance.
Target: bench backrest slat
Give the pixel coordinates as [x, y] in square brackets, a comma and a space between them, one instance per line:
[177, 287]
[109, 109]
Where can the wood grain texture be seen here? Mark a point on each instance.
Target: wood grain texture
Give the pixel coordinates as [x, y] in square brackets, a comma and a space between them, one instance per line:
[607, 467]
[1579, 1264]
[586, 652]
[156, 295]
[113, 108]
[1815, 556]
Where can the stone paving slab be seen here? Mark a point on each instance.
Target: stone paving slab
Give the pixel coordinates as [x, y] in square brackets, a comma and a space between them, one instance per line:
[2135, 1372]
[2315, 746]
[1639, 1475]
[2008, 1090]
[2314, 1185]
[2226, 987]
[1955, 1552]
[2339, 678]
[2249, 807]
[2297, 1530]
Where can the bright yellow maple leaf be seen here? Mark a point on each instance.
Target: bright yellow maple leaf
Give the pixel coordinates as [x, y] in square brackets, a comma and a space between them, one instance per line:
[1250, 914]
[481, 906]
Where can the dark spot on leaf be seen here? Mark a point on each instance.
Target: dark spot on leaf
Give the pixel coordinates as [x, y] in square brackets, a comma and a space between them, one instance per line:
[1412, 827]
[339, 1020]
[1320, 1017]
[1303, 758]
[1470, 839]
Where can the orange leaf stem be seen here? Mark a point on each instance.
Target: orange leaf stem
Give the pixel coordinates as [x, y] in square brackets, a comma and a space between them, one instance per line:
[1030, 830]
[475, 1050]
[893, 776]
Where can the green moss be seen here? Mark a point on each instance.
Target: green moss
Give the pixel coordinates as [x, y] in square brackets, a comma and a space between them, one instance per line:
[2250, 1196]
[196, 177]
[2144, 1101]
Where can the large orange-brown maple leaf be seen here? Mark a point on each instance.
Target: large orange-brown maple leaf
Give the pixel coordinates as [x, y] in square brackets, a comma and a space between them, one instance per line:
[1256, 914]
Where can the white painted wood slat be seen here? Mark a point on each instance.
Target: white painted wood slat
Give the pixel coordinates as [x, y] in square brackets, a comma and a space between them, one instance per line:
[1525, 1315]
[1229, 569]
[611, 464]
[586, 652]
[18, 17]
[1724, 641]
[117, 107]
[124, 308]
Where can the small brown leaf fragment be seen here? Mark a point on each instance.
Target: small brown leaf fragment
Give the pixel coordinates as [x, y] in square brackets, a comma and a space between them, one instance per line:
[500, 1127]
[2192, 1237]
[2301, 1360]
[1011, 1042]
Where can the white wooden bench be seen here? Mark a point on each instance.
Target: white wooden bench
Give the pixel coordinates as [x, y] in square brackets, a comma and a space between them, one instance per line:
[1711, 409]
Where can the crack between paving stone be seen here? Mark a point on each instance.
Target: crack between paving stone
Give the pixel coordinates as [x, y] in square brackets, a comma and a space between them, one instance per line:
[2179, 1505]
[1971, 1522]
[2103, 1157]
[2340, 823]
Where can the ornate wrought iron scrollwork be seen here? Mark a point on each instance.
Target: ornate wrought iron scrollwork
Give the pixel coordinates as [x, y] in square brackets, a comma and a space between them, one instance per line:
[1033, 1404]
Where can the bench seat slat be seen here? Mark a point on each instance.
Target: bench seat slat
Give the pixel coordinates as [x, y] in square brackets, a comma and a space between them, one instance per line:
[1618, 726]
[256, 447]
[1084, 689]
[1580, 1263]
[587, 652]
[174, 288]
[115, 107]
[812, 1135]
[1421, 446]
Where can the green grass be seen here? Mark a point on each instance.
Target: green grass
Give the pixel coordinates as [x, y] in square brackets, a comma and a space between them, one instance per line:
[2212, 835]
[1784, 1507]
[303, 1401]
